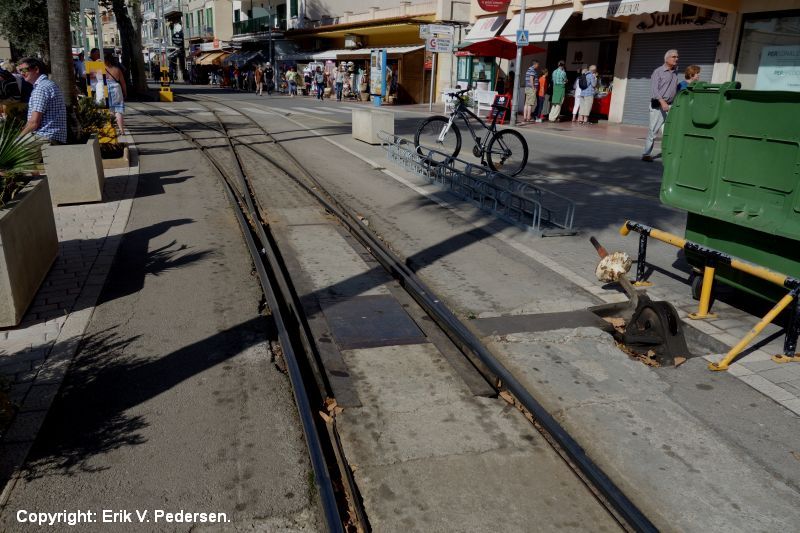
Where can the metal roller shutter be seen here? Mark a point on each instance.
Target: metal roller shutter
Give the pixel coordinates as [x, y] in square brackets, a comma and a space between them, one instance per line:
[694, 47]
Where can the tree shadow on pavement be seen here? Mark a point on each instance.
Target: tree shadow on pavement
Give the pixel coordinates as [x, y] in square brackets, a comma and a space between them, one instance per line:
[53, 301]
[108, 377]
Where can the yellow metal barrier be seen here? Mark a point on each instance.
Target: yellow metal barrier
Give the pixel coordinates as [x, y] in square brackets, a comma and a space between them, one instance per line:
[712, 256]
[165, 93]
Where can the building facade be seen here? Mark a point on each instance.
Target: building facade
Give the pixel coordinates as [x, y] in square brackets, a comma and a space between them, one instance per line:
[740, 40]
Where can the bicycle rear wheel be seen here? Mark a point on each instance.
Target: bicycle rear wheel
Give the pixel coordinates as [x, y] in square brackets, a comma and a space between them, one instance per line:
[507, 152]
[427, 136]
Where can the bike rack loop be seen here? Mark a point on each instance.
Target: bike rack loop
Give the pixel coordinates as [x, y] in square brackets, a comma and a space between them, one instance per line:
[524, 204]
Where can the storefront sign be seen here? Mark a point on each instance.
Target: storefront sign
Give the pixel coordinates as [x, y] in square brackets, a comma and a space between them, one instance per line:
[779, 69]
[580, 53]
[659, 22]
[439, 45]
[623, 8]
[494, 5]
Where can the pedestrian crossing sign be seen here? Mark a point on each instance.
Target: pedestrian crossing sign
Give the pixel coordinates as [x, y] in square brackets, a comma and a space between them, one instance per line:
[522, 38]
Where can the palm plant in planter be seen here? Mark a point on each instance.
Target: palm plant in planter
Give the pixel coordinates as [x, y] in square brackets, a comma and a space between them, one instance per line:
[28, 238]
[17, 156]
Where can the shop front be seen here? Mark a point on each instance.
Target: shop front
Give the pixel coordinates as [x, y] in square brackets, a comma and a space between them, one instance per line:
[584, 43]
[653, 27]
[769, 51]
[404, 67]
[544, 30]
[479, 72]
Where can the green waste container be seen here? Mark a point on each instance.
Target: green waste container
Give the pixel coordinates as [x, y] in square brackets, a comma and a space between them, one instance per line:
[732, 160]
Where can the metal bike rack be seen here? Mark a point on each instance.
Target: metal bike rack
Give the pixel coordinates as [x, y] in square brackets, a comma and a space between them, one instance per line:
[524, 204]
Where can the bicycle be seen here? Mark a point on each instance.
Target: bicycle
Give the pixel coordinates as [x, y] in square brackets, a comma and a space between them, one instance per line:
[503, 150]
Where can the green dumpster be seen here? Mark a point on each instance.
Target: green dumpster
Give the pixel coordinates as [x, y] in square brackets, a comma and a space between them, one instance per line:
[732, 160]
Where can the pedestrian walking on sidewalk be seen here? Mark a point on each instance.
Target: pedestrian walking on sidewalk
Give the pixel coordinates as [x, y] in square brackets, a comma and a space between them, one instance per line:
[576, 104]
[259, 76]
[269, 78]
[117, 90]
[541, 95]
[319, 82]
[531, 90]
[559, 90]
[663, 86]
[291, 80]
[690, 76]
[587, 95]
[339, 81]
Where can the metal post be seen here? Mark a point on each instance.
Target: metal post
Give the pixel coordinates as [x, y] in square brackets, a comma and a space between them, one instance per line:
[641, 261]
[792, 332]
[433, 80]
[269, 44]
[517, 69]
[98, 22]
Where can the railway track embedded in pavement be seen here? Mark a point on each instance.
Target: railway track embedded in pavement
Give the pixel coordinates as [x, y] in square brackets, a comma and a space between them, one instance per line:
[339, 496]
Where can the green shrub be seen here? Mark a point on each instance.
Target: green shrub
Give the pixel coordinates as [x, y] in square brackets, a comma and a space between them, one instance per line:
[17, 155]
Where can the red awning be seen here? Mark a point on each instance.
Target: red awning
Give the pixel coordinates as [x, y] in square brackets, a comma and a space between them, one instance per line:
[499, 47]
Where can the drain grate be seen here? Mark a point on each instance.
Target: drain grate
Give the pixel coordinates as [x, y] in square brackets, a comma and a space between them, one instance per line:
[369, 322]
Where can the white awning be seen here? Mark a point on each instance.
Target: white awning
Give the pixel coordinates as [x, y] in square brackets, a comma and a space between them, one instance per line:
[485, 28]
[391, 51]
[328, 54]
[623, 8]
[541, 25]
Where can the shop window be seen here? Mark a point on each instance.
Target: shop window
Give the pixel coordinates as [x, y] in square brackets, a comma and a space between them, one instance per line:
[769, 52]
[463, 69]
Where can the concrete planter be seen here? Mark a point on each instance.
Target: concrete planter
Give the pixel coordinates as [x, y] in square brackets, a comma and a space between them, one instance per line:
[75, 172]
[28, 247]
[118, 162]
[367, 123]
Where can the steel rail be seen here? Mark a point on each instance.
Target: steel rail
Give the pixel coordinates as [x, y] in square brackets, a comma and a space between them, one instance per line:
[323, 481]
[622, 506]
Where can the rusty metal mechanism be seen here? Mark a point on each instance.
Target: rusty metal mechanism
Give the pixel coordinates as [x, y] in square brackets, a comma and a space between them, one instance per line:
[652, 328]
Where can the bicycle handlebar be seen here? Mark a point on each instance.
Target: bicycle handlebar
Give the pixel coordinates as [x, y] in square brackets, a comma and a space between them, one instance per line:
[458, 93]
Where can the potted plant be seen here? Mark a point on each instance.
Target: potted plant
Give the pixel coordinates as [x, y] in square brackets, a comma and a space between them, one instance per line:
[75, 171]
[28, 238]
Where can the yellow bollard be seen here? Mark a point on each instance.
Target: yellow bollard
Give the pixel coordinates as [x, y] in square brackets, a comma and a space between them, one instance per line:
[769, 317]
[705, 295]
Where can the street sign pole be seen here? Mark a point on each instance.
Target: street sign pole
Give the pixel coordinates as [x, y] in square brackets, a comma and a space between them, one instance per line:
[433, 81]
[518, 70]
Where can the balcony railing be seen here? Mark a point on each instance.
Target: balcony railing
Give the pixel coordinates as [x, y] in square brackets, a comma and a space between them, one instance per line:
[256, 25]
[202, 32]
[171, 6]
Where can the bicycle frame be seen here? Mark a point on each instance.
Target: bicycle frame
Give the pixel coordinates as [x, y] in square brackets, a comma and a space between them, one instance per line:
[463, 112]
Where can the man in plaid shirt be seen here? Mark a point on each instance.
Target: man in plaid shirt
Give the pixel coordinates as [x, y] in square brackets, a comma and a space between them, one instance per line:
[47, 113]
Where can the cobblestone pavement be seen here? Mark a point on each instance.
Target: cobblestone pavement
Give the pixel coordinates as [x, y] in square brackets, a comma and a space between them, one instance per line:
[35, 355]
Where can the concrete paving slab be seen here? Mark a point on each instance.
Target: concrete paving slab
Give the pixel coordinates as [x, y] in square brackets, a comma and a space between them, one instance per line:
[334, 268]
[505, 493]
[429, 456]
[655, 449]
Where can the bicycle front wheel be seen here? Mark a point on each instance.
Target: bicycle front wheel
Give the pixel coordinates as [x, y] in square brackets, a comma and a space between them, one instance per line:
[507, 152]
[429, 133]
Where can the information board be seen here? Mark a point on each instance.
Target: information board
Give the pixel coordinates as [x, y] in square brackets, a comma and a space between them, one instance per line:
[501, 107]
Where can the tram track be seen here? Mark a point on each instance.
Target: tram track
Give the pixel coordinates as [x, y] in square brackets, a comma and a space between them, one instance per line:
[295, 336]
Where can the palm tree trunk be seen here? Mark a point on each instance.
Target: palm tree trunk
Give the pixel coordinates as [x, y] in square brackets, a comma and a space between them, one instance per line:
[131, 41]
[62, 70]
[140, 80]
